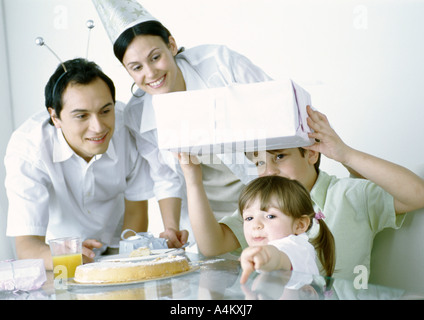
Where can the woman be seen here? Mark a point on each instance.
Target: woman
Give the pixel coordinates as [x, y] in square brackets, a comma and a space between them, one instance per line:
[150, 54]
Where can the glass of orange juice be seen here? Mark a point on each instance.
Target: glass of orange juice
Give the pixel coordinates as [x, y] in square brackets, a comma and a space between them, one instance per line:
[67, 256]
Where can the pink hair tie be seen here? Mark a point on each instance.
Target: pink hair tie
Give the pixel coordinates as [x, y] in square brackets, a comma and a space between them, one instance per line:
[319, 215]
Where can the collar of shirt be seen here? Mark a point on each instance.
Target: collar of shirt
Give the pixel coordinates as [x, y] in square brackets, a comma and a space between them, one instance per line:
[319, 190]
[62, 151]
[192, 79]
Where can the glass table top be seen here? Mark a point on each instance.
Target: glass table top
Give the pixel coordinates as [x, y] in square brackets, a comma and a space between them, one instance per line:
[218, 278]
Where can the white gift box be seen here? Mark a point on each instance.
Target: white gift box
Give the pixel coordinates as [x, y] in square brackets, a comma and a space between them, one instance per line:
[140, 239]
[238, 118]
[25, 274]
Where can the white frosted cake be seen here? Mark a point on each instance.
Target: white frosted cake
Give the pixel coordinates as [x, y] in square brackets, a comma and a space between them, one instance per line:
[121, 271]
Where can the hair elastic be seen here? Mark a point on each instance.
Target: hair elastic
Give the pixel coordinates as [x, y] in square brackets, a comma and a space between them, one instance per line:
[319, 215]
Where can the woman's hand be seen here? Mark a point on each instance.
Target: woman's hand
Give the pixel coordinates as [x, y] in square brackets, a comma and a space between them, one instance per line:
[175, 238]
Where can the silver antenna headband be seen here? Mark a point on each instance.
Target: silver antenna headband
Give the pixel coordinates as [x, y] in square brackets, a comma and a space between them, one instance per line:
[39, 41]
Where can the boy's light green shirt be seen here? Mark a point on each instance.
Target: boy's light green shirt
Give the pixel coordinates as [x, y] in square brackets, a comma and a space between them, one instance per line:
[355, 211]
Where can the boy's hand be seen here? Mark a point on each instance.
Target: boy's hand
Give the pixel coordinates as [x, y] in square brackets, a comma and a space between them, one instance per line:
[187, 159]
[190, 166]
[328, 142]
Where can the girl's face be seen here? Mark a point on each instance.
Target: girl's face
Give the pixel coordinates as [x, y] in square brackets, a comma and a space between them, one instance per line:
[260, 227]
[150, 62]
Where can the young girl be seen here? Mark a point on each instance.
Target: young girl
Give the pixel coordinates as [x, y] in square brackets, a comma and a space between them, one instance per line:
[277, 212]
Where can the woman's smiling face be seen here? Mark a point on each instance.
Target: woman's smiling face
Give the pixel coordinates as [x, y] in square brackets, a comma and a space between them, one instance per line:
[150, 62]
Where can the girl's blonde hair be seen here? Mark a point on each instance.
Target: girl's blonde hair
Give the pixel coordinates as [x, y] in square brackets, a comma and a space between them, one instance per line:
[295, 201]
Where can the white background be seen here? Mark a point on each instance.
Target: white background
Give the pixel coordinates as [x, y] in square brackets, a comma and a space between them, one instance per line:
[362, 62]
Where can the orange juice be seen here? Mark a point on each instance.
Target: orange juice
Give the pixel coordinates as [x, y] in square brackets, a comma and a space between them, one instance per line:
[64, 266]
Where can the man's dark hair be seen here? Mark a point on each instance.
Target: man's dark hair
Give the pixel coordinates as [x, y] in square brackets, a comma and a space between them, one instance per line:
[78, 71]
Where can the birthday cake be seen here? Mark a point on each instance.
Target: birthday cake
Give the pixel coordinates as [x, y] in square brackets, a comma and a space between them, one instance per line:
[124, 271]
[140, 252]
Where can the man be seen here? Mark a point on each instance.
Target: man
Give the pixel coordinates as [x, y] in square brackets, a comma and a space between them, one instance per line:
[77, 172]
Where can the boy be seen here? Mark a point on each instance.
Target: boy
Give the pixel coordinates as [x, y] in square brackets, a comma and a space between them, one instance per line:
[355, 209]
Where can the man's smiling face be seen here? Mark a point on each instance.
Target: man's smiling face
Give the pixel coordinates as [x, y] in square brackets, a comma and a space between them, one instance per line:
[87, 118]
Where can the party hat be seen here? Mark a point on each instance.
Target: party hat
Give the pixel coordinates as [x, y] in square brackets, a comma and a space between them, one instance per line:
[120, 15]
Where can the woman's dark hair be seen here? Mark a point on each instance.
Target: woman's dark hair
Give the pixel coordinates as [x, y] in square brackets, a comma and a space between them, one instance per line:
[78, 71]
[152, 28]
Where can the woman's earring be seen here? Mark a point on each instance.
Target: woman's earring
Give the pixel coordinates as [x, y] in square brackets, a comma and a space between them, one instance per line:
[132, 91]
